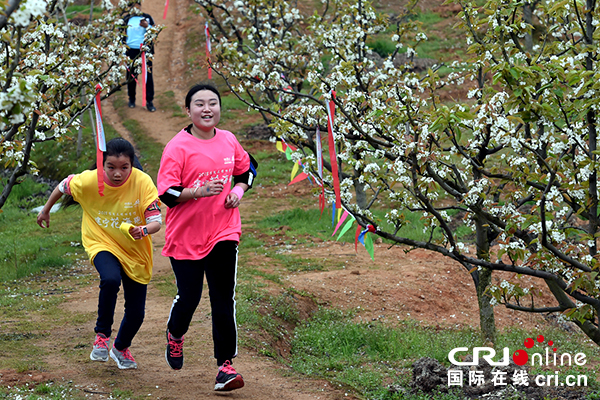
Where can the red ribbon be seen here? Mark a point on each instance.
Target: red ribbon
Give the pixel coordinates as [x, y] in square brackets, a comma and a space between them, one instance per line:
[166, 6]
[144, 77]
[332, 154]
[208, 48]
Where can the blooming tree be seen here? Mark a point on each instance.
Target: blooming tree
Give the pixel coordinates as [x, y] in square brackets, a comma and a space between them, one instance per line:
[46, 64]
[516, 159]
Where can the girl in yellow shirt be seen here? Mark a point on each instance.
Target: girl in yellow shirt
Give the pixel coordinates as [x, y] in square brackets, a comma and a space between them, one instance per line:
[121, 256]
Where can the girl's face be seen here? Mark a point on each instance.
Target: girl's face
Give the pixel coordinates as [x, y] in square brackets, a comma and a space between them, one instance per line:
[205, 111]
[117, 168]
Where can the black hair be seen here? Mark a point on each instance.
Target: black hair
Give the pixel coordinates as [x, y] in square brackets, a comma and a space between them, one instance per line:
[198, 87]
[114, 147]
[119, 147]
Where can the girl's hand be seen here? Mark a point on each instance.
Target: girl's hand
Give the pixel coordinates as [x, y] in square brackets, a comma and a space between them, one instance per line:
[211, 188]
[137, 232]
[42, 218]
[232, 200]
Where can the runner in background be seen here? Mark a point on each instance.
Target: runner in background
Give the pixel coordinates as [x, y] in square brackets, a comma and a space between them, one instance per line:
[137, 23]
[203, 226]
[121, 256]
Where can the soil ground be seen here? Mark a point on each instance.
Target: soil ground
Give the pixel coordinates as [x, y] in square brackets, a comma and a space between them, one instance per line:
[419, 285]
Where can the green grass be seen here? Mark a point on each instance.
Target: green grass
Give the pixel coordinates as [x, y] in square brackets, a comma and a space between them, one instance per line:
[83, 11]
[25, 248]
[428, 18]
[232, 107]
[167, 102]
[44, 391]
[384, 47]
[273, 167]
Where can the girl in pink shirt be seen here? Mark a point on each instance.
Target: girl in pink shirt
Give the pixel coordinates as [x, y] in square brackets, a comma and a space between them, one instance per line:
[203, 226]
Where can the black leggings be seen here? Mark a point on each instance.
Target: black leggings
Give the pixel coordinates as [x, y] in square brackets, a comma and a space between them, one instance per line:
[220, 267]
[111, 276]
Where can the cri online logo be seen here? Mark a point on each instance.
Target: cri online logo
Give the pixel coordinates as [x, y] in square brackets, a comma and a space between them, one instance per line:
[520, 357]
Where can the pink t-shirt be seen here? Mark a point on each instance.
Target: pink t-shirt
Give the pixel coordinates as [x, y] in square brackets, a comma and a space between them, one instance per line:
[195, 226]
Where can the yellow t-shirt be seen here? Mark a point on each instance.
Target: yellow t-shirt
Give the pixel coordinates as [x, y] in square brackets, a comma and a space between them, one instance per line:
[102, 216]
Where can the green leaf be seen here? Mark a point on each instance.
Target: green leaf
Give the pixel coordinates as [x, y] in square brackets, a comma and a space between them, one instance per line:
[464, 115]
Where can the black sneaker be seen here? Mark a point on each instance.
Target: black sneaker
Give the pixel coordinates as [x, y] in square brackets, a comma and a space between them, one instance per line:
[150, 107]
[174, 352]
[131, 104]
[228, 379]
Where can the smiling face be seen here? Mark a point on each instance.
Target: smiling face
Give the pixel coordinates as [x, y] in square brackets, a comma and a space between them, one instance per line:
[117, 168]
[205, 111]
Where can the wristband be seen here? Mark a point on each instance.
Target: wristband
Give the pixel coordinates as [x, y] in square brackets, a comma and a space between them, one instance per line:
[125, 230]
[238, 191]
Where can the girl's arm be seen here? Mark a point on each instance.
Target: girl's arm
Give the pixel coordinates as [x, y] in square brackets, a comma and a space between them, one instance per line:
[177, 194]
[153, 222]
[209, 188]
[44, 215]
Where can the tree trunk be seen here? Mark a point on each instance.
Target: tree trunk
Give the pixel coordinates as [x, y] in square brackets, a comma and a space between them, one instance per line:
[486, 311]
[361, 195]
[91, 11]
[487, 320]
[528, 17]
[80, 131]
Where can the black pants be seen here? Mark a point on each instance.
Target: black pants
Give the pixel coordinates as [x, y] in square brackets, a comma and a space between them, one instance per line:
[220, 267]
[111, 276]
[131, 78]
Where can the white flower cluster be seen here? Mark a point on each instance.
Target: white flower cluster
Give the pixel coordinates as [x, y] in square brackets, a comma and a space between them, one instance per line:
[28, 10]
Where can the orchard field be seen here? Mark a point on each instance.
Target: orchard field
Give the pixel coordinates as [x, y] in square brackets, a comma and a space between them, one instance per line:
[317, 318]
